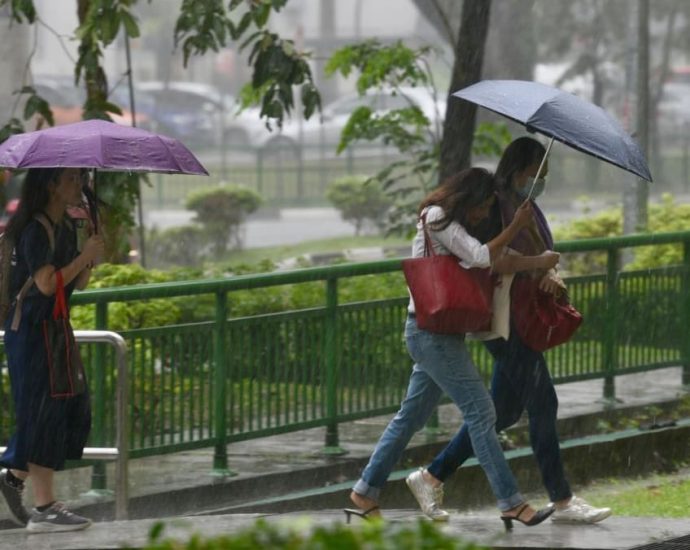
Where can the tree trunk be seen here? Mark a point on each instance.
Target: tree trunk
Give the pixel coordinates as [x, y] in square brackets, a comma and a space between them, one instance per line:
[458, 127]
[635, 195]
[511, 47]
[443, 15]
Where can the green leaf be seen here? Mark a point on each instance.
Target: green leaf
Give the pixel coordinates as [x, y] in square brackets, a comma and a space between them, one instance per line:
[130, 24]
[22, 9]
[260, 14]
[37, 105]
[14, 126]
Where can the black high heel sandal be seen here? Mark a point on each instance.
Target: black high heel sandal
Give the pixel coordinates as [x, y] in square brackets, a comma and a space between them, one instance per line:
[537, 518]
[364, 514]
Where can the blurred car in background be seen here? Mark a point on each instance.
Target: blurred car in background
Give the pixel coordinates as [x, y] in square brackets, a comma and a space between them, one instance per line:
[324, 131]
[202, 114]
[673, 110]
[67, 100]
[7, 213]
[78, 214]
[186, 111]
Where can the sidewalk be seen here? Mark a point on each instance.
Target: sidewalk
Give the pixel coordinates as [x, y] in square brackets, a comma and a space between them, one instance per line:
[293, 462]
[615, 533]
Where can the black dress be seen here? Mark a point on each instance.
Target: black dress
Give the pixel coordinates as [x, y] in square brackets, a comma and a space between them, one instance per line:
[48, 430]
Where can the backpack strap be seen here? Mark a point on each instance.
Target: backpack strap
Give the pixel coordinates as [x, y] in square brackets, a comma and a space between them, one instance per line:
[17, 317]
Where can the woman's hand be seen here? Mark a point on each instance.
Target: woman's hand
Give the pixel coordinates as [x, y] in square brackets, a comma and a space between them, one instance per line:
[523, 215]
[549, 259]
[552, 283]
[94, 249]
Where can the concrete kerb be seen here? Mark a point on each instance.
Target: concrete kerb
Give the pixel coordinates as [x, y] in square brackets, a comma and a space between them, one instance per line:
[323, 482]
[621, 454]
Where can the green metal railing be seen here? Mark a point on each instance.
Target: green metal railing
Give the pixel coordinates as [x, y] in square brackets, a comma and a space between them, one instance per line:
[231, 378]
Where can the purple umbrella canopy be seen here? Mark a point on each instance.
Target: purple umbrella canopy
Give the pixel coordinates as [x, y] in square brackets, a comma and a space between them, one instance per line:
[101, 145]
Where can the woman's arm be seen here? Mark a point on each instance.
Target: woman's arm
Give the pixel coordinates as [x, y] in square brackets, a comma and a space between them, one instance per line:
[523, 216]
[82, 280]
[512, 263]
[45, 276]
[552, 283]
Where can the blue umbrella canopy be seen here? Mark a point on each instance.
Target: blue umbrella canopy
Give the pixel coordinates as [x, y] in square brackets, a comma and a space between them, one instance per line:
[561, 116]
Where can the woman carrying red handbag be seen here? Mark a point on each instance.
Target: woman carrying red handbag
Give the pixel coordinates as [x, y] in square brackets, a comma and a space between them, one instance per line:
[50, 428]
[452, 214]
[521, 379]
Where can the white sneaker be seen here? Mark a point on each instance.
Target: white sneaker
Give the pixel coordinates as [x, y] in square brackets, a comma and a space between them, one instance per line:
[430, 498]
[578, 511]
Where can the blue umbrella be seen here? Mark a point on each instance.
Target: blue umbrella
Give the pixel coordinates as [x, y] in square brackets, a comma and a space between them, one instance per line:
[561, 116]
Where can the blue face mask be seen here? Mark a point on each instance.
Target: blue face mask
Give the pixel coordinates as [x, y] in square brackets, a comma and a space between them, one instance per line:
[539, 186]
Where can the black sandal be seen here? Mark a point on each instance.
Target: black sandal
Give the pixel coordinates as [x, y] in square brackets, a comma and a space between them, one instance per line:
[349, 512]
[537, 518]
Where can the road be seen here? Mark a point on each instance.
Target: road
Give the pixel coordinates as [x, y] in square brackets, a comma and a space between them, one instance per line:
[296, 225]
[291, 226]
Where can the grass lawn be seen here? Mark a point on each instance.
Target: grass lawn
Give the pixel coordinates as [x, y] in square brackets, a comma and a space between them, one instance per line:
[659, 495]
[337, 244]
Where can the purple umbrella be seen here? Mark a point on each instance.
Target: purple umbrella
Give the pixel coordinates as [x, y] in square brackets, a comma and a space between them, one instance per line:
[100, 145]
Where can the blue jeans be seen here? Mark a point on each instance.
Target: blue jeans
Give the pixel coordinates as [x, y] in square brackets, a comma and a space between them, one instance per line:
[520, 381]
[442, 364]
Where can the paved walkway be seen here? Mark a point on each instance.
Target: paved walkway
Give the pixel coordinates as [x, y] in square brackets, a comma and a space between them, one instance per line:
[301, 451]
[613, 534]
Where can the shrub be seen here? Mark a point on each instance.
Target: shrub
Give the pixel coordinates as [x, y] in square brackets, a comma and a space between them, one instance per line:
[130, 315]
[182, 246]
[221, 211]
[358, 199]
[663, 217]
[373, 535]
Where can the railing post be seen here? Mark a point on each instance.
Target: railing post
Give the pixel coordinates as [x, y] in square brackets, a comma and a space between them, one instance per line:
[260, 171]
[99, 481]
[331, 363]
[432, 428]
[685, 316]
[610, 342]
[220, 427]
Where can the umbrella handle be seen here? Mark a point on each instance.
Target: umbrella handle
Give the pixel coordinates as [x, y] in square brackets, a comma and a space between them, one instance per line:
[92, 200]
[541, 167]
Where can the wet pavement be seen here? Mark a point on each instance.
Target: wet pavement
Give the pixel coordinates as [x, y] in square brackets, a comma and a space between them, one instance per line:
[292, 462]
[615, 533]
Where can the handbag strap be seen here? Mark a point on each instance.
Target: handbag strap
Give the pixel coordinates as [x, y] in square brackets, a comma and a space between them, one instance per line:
[60, 309]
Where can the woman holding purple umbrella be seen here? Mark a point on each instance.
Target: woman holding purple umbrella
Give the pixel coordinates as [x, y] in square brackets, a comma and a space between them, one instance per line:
[521, 379]
[49, 430]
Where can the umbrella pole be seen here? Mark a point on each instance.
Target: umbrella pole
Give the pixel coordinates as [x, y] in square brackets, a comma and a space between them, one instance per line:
[541, 167]
[94, 212]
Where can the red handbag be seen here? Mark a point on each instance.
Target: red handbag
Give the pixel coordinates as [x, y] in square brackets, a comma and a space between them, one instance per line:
[448, 298]
[65, 367]
[541, 320]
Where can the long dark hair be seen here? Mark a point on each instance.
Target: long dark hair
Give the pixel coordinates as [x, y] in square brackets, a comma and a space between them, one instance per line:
[520, 154]
[458, 194]
[34, 198]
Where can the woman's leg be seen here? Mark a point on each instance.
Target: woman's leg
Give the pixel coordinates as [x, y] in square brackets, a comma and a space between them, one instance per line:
[42, 482]
[447, 361]
[421, 399]
[531, 380]
[508, 410]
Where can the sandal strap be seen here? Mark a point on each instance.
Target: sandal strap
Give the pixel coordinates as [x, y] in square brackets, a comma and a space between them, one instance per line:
[522, 509]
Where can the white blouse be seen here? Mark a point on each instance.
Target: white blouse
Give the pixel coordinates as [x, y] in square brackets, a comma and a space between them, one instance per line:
[454, 239]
